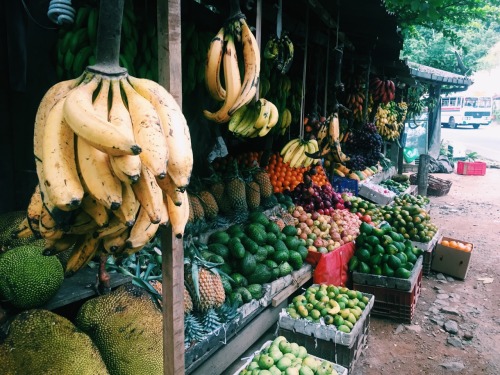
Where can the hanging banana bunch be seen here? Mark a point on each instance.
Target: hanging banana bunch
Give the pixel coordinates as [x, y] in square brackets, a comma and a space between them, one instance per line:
[300, 153]
[280, 51]
[246, 118]
[113, 158]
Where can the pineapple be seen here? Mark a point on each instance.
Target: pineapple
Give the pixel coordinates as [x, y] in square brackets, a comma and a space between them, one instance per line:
[205, 282]
[262, 178]
[217, 189]
[253, 195]
[235, 189]
[209, 204]
[197, 207]
[210, 321]
[193, 330]
[188, 302]
[228, 312]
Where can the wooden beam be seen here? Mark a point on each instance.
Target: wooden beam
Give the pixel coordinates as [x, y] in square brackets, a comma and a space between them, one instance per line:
[287, 292]
[170, 77]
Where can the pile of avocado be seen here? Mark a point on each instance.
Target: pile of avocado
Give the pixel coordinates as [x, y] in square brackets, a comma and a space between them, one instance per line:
[333, 305]
[284, 357]
[383, 251]
[253, 254]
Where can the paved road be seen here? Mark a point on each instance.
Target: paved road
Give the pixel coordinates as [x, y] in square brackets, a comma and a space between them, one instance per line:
[485, 140]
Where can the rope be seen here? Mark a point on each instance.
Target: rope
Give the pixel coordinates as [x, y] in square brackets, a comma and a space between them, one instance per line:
[304, 73]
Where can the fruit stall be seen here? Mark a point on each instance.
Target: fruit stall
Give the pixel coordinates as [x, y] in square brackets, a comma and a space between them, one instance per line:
[211, 190]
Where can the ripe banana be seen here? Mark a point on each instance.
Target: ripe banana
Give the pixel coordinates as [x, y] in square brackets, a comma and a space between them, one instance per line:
[178, 215]
[83, 252]
[251, 56]
[95, 210]
[61, 181]
[237, 117]
[212, 68]
[289, 150]
[130, 205]
[114, 243]
[142, 231]
[126, 167]
[149, 195]
[273, 120]
[264, 113]
[57, 246]
[23, 230]
[175, 128]
[48, 226]
[147, 131]
[34, 210]
[169, 188]
[232, 80]
[83, 119]
[115, 225]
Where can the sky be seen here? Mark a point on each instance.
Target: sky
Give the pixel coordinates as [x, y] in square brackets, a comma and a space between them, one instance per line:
[486, 82]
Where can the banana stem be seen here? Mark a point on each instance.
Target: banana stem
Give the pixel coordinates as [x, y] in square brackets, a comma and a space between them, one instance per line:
[108, 38]
[235, 10]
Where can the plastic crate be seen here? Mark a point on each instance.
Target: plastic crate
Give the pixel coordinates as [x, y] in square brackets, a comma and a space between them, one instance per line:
[476, 168]
[392, 303]
[345, 356]
[345, 185]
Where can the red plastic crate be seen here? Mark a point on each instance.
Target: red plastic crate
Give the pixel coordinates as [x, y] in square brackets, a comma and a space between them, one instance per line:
[392, 303]
[469, 168]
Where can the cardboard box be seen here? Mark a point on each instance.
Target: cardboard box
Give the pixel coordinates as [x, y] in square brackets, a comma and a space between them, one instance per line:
[451, 261]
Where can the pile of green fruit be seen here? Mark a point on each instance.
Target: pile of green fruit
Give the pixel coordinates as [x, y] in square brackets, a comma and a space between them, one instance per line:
[253, 254]
[412, 221]
[285, 201]
[383, 251]
[396, 187]
[339, 306]
[411, 200]
[358, 204]
[283, 357]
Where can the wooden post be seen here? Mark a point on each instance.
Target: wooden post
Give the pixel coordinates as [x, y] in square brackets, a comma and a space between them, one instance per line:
[170, 77]
[423, 174]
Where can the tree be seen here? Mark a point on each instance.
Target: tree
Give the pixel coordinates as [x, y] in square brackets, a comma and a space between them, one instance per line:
[437, 31]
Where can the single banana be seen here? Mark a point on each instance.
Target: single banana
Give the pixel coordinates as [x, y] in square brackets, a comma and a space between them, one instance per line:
[265, 111]
[178, 215]
[273, 120]
[212, 67]
[288, 145]
[34, 210]
[87, 124]
[115, 225]
[142, 231]
[126, 167]
[23, 230]
[165, 219]
[232, 80]
[61, 179]
[251, 56]
[168, 187]
[82, 253]
[57, 246]
[149, 194]
[96, 174]
[95, 210]
[48, 226]
[115, 242]
[237, 117]
[147, 131]
[175, 128]
[130, 205]
[82, 224]
[297, 155]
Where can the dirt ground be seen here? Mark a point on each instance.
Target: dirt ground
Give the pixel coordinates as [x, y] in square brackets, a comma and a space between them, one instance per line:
[471, 212]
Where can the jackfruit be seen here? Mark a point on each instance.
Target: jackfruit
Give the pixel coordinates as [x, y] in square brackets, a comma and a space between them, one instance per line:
[127, 328]
[8, 367]
[29, 279]
[9, 223]
[41, 342]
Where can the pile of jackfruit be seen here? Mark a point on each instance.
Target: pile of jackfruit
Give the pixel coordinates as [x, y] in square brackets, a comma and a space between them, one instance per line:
[113, 334]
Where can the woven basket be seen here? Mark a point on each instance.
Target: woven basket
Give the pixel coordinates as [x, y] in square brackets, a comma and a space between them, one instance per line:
[436, 186]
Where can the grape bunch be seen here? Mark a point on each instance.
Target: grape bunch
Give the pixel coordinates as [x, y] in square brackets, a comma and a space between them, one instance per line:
[363, 147]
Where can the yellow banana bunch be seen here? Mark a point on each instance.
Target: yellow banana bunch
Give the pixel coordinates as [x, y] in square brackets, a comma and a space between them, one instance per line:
[389, 119]
[295, 152]
[238, 91]
[104, 145]
[254, 120]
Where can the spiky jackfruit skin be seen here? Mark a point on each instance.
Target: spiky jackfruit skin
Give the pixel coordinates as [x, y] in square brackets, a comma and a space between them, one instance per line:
[41, 342]
[7, 362]
[127, 328]
[29, 279]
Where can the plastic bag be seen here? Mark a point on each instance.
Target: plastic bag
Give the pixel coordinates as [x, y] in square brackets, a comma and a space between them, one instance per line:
[410, 154]
[332, 268]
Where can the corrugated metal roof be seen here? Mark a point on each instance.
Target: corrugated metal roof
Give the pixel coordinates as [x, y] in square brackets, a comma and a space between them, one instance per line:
[427, 73]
